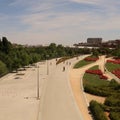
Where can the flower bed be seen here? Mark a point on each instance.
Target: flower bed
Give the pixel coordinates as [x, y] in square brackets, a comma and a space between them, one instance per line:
[116, 72]
[116, 69]
[115, 61]
[91, 59]
[103, 77]
[97, 72]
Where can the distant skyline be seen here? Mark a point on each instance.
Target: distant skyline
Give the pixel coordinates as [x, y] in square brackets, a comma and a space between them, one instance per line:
[60, 21]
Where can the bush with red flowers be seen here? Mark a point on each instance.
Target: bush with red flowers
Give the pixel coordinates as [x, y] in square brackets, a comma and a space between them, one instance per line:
[103, 77]
[115, 61]
[116, 72]
[91, 59]
[97, 72]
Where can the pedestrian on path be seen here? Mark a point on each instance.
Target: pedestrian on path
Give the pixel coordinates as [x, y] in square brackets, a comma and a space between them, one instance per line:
[64, 68]
[77, 58]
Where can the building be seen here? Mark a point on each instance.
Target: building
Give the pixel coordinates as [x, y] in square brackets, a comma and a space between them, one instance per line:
[97, 42]
[112, 43]
[94, 41]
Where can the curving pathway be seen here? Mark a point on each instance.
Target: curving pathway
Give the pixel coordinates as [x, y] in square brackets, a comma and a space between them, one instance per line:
[76, 76]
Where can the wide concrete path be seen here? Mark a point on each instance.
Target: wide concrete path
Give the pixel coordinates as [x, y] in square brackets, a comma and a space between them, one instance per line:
[58, 102]
[18, 94]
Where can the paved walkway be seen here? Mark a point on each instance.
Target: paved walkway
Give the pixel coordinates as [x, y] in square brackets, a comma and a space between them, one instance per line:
[18, 94]
[58, 102]
[76, 80]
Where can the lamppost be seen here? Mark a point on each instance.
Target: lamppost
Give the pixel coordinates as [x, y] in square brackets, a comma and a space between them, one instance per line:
[38, 83]
[47, 64]
[104, 63]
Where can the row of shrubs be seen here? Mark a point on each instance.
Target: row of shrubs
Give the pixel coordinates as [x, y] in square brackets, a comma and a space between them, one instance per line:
[96, 91]
[113, 101]
[107, 90]
[97, 111]
[114, 115]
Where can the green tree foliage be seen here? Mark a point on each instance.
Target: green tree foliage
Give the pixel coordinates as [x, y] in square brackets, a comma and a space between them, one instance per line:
[113, 101]
[60, 51]
[95, 52]
[97, 111]
[5, 45]
[114, 115]
[116, 52]
[3, 68]
[15, 56]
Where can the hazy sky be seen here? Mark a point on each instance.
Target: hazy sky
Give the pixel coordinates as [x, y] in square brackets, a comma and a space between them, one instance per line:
[59, 21]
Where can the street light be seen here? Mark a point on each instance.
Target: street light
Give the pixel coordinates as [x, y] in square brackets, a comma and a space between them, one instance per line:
[104, 63]
[38, 83]
[47, 64]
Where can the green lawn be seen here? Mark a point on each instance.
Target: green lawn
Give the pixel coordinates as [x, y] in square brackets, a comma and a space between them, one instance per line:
[111, 66]
[94, 80]
[82, 63]
[96, 67]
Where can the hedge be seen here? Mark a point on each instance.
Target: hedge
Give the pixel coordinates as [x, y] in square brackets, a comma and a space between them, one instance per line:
[96, 91]
[97, 111]
[113, 100]
[114, 115]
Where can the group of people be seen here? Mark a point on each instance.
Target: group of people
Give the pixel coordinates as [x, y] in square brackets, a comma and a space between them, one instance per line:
[66, 64]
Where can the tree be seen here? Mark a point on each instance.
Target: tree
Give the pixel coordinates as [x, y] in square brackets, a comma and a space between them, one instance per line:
[3, 68]
[97, 111]
[16, 64]
[6, 45]
[52, 50]
[95, 53]
[24, 58]
[60, 51]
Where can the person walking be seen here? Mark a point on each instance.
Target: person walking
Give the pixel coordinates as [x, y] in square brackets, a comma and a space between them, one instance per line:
[64, 68]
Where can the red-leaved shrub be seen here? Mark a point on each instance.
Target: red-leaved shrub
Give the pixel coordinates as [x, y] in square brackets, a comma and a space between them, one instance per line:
[91, 59]
[97, 72]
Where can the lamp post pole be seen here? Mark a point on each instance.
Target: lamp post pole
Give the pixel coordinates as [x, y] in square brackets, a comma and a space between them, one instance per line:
[47, 67]
[104, 64]
[47, 64]
[38, 83]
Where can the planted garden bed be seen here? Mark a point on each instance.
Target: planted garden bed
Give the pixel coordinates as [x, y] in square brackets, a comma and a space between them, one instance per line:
[86, 61]
[114, 67]
[109, 89]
